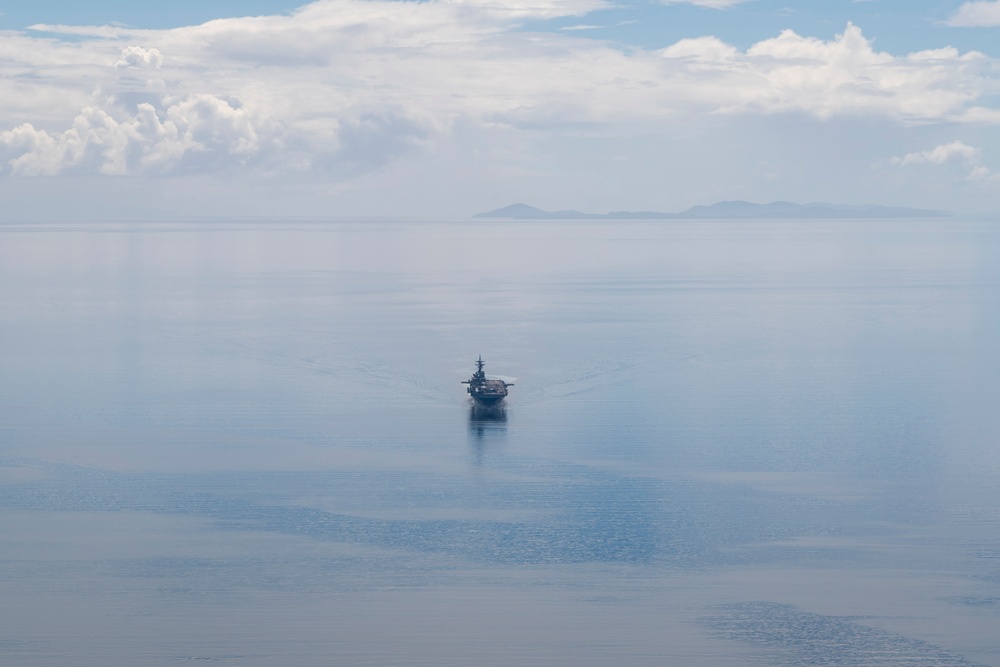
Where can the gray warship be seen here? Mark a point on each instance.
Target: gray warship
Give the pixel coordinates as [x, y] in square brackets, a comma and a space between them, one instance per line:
[486, 393]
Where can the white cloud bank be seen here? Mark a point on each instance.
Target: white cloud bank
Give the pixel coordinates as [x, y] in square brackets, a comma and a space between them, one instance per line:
[345, 87]
[199, 128]
[977, 14]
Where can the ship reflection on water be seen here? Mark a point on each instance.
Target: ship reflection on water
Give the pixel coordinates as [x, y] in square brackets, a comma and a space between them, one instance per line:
[488, 418]
[486, 426]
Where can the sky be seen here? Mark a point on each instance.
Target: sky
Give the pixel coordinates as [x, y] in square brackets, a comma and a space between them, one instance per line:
[445, 108]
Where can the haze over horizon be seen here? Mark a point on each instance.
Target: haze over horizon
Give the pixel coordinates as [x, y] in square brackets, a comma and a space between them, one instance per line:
[449, 107]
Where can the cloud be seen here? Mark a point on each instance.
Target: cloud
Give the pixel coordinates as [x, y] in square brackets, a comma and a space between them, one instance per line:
[956, 151]
[368, 142]
[703, 49]
[977, 14]
[97, 31]
[527, 8]
[205, 133]
[825, 79]
[962, 159]
[712, 4]
[136, 57]
[351, 86]
[197, 132]
[981, 174]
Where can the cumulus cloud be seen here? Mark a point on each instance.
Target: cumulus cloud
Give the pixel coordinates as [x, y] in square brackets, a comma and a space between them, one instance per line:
[842, 76]
[200, 130]
[956, 151]
[136, 57]
[713, 4]
[528, 8]
[977, 14]
[963, 160]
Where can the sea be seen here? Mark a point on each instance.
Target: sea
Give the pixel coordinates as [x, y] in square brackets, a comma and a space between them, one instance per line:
[728, 443]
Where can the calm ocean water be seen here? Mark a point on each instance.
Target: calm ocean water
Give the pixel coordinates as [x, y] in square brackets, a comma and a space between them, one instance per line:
[729, 443]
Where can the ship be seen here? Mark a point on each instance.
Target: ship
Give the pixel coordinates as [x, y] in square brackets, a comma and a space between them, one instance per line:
[486, 393]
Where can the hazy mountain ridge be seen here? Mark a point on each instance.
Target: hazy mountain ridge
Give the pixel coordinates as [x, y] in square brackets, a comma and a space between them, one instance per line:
[724, 210]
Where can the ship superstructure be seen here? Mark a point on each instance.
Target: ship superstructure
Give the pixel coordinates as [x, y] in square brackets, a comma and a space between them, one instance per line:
[485, 392]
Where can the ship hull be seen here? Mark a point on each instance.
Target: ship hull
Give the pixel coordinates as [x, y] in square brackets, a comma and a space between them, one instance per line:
[487, 401]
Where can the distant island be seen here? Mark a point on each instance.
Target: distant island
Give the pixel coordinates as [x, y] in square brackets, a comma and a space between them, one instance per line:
[729, 210]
